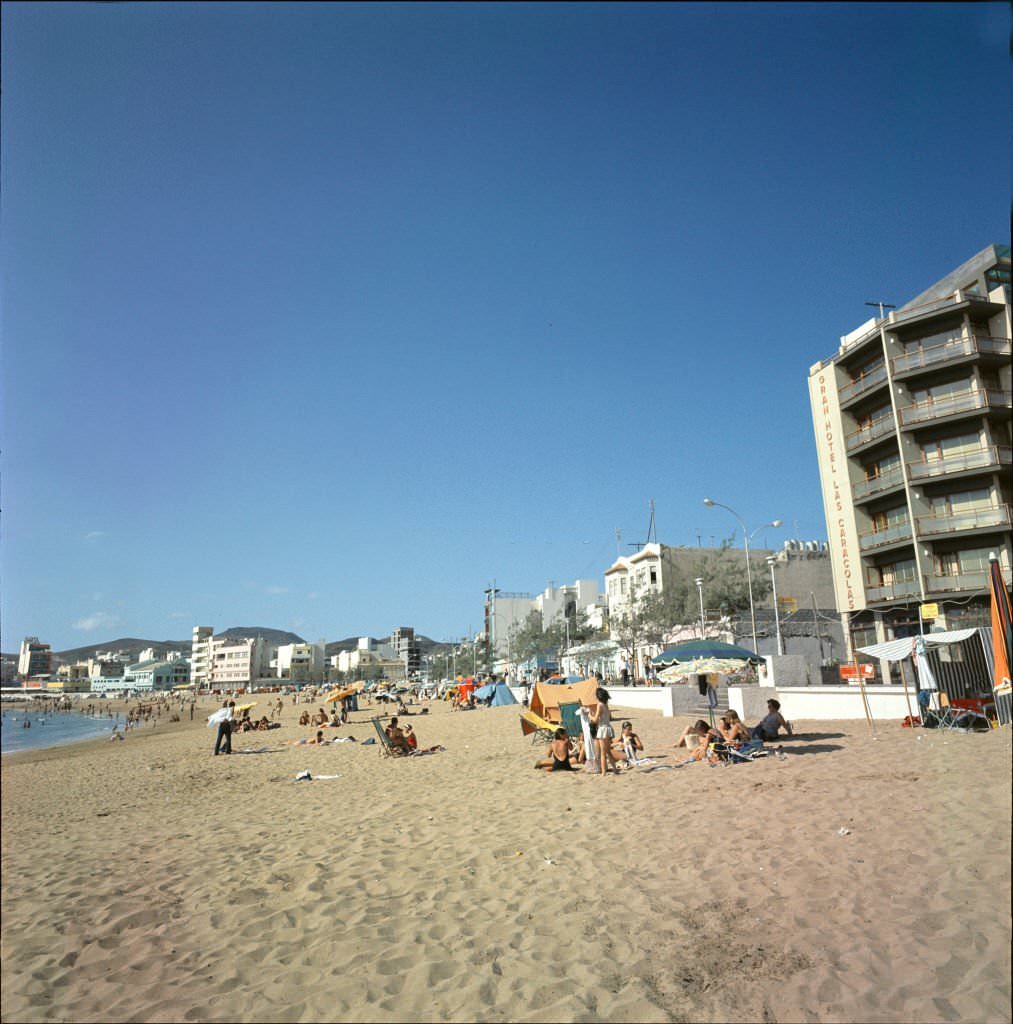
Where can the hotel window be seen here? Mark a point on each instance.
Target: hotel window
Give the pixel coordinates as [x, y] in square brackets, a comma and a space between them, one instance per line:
[957, 563]
[874, 470]
[942, 392]
[943, 447]
[961, 502]
[898, 572]
[889, 518]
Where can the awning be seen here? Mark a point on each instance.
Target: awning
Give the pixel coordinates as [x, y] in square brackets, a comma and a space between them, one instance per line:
[898, 650]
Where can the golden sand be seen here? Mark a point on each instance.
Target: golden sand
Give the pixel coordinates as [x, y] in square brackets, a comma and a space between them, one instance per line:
[149, 881]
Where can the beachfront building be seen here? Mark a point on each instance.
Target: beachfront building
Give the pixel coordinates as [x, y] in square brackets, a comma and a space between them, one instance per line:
[913, 436]
[506, 612]
[35, 659]
[406, 649]
[200, 656]
[156, 674]
[238, 663]
[370, 658]
[300, 662]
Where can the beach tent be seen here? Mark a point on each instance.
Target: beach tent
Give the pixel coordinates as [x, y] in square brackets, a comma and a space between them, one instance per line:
[485, 692]
[1002, 642]
[502, 696]
[546, 698]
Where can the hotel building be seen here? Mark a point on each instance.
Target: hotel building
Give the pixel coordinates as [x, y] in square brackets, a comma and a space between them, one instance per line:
[912, 420]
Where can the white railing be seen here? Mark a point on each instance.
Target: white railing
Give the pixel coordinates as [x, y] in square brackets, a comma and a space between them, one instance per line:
[997, 455]
[975, 519]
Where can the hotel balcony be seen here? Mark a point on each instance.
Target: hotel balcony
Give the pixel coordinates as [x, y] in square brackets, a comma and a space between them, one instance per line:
[953, 405]
[986, 458]
[899, 534]
[866, 435]
[978, 519]
[953, 351]
[862, 386]
[965, 581]
[899, 591]
[865, 489]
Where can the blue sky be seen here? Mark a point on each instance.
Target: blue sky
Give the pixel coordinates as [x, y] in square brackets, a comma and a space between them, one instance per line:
[325, 317]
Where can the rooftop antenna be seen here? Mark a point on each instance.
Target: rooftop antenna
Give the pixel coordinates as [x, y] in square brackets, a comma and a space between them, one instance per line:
[882, 306]
[619, 542]
[699, 538]
[651, 528]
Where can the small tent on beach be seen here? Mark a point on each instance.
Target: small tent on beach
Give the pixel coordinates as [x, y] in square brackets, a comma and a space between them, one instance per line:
[546, 699]
[502, 696]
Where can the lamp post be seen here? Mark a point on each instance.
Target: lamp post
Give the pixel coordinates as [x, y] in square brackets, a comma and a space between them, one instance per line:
[699, 590]
[749, 572]
[777, 617]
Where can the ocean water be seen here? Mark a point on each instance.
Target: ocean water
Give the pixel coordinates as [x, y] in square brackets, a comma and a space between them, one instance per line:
[49, 730]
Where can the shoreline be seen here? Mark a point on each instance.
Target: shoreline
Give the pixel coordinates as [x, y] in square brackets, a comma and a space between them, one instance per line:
[149, 880]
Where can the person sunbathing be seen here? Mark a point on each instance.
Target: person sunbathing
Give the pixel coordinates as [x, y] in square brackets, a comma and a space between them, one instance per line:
[559, 754]
[732, 729]
[396, 738]
[697, 737]
[335, 721]
[263, 725]
[629, 745]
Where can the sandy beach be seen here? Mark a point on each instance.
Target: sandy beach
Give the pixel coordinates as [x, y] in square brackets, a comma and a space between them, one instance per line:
[150, 881]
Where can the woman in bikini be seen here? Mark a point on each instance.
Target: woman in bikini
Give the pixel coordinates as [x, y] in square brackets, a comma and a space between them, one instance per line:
[559, 754]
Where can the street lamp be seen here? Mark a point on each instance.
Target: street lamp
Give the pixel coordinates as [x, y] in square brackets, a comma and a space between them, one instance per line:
[777, 618]
[749, 573]
[699, 590]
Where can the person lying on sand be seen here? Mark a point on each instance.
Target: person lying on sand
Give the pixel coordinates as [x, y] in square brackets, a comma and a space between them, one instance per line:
[559, 754]
[697, 737]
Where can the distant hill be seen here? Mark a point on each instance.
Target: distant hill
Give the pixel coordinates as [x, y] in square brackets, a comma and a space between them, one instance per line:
[274, 637]
[131, 646]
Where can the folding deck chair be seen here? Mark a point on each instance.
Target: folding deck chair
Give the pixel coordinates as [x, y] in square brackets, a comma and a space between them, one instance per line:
[386, 750]
[540, 728]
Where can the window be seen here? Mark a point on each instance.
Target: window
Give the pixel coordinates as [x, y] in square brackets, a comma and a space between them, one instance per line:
[889, 518]
[962, 501]
[957, 563]
[944, 447]
[898, 572]
[654, 575]
[881, 467]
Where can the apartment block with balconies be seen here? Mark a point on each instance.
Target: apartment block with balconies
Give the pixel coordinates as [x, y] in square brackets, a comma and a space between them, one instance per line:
[913, 432]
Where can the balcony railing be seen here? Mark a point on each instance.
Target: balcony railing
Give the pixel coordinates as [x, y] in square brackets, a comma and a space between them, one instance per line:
[955, 348]
[877, 539]
[964, 401]
[883, 482]
[985, 458]
[900, 590]
[869, 433]
[863, 384]
[938, 583]
[977, 519]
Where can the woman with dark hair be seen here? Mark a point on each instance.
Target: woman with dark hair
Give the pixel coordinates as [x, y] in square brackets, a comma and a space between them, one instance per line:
[601, 719]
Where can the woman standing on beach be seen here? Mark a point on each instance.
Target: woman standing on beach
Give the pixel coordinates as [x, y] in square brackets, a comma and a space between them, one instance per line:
[601, 719]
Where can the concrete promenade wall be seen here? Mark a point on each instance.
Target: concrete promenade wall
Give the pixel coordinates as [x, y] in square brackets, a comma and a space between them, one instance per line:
[669, 700]
[823, 703]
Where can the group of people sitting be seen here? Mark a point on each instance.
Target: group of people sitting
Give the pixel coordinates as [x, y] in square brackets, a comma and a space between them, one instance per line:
[731, 733]
[565, 752]
[246, 724]
[403, 741]
[337, 717]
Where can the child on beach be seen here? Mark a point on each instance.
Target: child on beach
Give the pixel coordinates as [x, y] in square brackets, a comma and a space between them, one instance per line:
[601, 719]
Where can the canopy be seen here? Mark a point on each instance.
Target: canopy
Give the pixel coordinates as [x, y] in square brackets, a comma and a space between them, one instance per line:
[695, 650]
[898, 650]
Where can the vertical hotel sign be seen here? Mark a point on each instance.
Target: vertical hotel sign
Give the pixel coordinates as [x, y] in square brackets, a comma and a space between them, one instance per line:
[842, 533]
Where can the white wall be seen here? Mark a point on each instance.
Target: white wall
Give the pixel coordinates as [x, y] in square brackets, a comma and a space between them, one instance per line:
[824, 703]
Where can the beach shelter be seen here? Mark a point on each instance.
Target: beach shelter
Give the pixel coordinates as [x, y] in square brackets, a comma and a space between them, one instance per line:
[546, 699]
[1002, 642]
[485, 692]
[466, 689]
[502, 696]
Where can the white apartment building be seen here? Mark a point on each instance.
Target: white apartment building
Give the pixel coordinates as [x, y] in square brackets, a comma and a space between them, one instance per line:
[303, 662]
[237, 663]
[200, 655]
[156, 675]
[913, 436]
